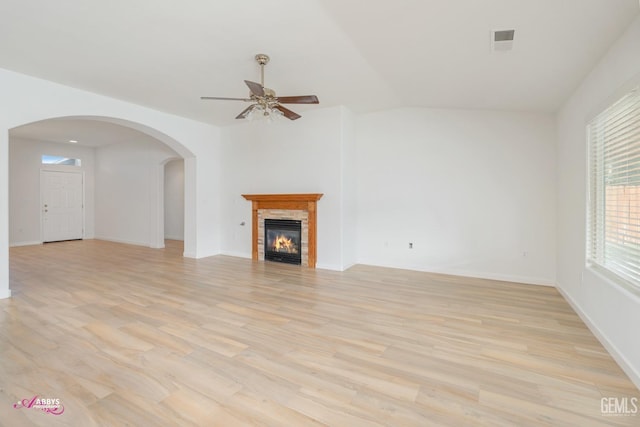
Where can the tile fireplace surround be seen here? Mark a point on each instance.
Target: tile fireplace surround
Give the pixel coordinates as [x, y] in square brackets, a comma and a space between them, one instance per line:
[300, 207]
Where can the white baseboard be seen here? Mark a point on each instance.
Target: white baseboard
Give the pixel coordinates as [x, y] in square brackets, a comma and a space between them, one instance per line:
[5, 293]
[348, 266]
[622, 361]
[236, 254]
[198, 256]
[180, 238]
[525, 280]
[126, 242]
[328, 267]
[472, 274]
[16, 244]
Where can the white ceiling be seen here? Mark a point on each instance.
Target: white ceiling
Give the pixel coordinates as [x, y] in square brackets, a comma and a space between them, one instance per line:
[367, 55]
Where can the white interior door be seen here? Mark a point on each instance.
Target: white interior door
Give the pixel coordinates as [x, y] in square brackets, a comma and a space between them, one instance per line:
[62, 206]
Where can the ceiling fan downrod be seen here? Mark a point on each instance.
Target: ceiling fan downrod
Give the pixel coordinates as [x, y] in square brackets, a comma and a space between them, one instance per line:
[262, 60]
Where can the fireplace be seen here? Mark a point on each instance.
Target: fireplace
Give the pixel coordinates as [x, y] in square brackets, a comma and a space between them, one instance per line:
[283, 240]
[300, 207]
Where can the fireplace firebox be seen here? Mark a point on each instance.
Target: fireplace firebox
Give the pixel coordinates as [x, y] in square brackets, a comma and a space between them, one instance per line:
[282, 240]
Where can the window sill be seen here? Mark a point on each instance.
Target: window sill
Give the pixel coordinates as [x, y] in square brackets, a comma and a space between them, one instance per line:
[614, 280]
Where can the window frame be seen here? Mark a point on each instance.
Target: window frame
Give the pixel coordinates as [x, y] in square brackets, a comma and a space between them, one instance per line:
[596, 243]
[45, 160]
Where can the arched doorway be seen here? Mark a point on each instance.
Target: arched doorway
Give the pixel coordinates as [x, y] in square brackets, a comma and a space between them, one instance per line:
[27, 100]
[173, 149]
[123, 171]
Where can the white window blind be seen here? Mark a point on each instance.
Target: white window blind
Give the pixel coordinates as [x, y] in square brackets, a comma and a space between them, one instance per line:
[613, 234]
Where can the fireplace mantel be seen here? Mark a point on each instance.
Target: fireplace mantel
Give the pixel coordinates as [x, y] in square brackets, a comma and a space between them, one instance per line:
[302, 202]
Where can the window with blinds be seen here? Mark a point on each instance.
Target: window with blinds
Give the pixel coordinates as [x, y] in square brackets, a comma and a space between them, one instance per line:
[613, 234]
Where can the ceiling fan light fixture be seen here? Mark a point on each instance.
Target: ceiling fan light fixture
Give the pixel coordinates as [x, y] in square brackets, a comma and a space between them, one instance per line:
[274, 115]
[259, 112]
[251, 115]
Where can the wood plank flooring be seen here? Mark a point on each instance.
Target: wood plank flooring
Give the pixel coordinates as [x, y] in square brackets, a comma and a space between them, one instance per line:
[126, 335]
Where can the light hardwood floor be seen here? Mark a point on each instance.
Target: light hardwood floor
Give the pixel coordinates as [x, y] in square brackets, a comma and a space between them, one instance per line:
[126, 335]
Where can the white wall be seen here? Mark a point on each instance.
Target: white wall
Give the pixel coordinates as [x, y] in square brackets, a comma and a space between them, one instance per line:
[24, 186]
[610, 311]
[349, 166]
[285, 157]
[26, 99]
[129, 198]
[174, 200]
[5, 292]
[474, 191]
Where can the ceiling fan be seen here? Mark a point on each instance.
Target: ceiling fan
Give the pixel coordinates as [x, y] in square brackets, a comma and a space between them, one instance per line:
[265, 101]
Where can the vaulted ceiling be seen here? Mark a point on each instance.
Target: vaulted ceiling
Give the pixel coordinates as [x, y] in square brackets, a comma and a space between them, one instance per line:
[366, 55]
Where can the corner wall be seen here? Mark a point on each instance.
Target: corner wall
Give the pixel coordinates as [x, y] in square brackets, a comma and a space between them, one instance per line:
[349, 168]
[610, 311]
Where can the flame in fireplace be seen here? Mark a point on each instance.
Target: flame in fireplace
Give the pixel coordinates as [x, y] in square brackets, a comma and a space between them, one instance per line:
[284, 244]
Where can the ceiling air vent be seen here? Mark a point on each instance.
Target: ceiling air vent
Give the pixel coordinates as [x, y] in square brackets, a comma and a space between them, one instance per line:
[502, 40]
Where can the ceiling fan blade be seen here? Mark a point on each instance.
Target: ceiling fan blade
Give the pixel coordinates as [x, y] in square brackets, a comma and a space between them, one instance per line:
[246, 112]
[225, 99]
[287, 113]
[255, 88]
[305, 99]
